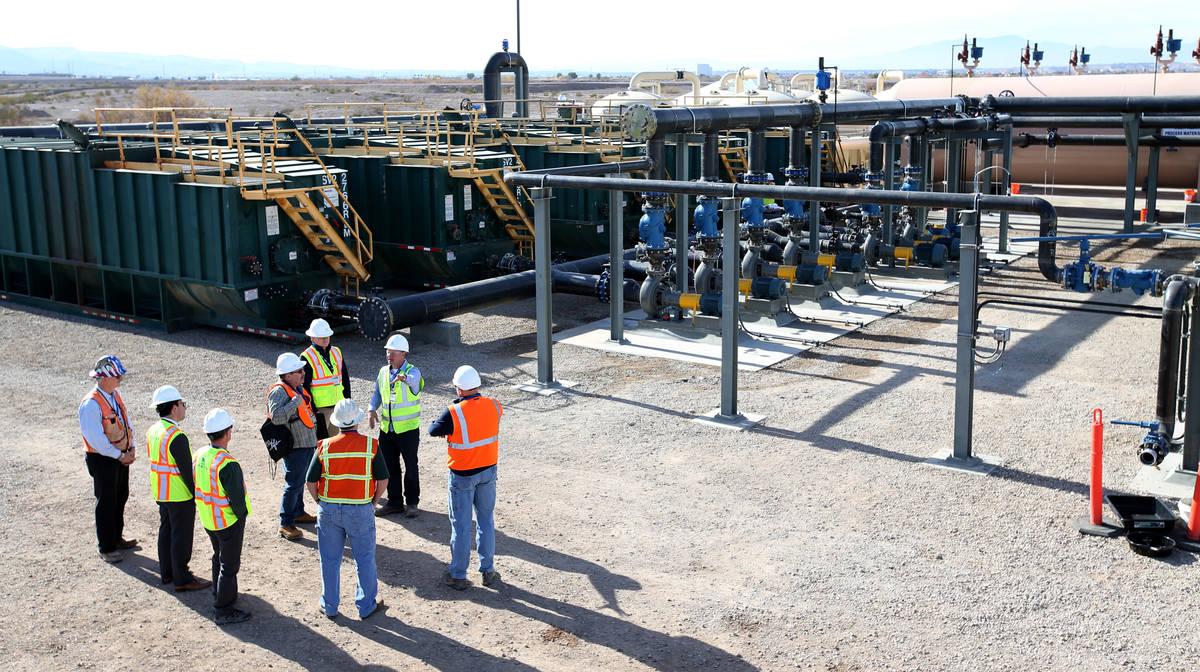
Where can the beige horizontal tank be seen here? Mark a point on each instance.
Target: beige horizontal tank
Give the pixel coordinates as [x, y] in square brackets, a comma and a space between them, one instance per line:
[1179, 167]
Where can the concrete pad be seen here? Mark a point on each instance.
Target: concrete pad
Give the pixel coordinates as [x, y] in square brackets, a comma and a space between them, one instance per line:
[1168, 480]
[439, 333]
[545, 390]
[738, 423]
[981, 465]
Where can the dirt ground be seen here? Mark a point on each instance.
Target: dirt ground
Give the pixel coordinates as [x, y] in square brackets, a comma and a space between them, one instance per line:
[629, 537]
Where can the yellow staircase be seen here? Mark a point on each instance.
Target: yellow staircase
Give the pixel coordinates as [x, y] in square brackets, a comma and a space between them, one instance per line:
[734, 160]
[349, 263]
[503, 201]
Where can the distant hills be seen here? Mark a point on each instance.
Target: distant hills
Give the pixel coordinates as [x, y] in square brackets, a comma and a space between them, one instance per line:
[1000, 53]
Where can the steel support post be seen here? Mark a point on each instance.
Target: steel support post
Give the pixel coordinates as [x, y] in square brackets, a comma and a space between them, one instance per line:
[729, 308]
[681, 215]
[542, 283]
[953, 174]
[889, 183]
[925, 158]
[814, 180]
[616, 250]
[1002, 244]
[964, 379]
[1152, 186]
[1132, 123]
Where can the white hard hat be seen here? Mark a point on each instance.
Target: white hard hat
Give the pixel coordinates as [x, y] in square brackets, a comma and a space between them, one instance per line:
[319, 329]
[397, 342]
[165, 394]
[287, 363]
[346, 414]
[217, 420]
[466, 378]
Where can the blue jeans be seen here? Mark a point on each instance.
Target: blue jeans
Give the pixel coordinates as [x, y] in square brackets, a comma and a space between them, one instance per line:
[476, 492]
[335, 524]
[295, 468]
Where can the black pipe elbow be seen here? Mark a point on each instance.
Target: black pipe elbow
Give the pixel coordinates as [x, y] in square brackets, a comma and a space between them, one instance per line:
[1047, 222]
[1178, 292]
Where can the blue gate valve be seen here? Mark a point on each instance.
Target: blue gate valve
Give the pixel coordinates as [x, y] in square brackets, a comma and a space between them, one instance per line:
[1154, 446]
[752, 208]
[795, 177]
[706, 216]
[1080, 275]
[652, 227]
[1138, 281]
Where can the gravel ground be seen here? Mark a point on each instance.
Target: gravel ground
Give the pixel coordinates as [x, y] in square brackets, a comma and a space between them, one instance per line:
[629, 537]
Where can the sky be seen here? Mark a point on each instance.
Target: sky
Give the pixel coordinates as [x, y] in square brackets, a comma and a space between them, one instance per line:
[610, 35]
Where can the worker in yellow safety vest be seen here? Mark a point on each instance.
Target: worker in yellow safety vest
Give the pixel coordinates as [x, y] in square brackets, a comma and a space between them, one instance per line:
[325, 375]
[396, 406]
[173, 487]
[223, 505]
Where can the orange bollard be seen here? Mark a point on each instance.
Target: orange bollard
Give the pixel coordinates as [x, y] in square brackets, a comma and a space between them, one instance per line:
[1097, 465]
[1194, 516]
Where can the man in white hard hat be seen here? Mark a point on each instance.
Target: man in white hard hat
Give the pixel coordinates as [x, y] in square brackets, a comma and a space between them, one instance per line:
[325, 375]
[345, 479]
[172, 486]
[288, 403]
[397, 399]
[471, 426]
[109, 450]
[223, 506]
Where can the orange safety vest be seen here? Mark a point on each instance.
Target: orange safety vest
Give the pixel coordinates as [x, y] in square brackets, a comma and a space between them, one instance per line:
[475, 441]
[116, 427]
[346, 476]
[305, 410]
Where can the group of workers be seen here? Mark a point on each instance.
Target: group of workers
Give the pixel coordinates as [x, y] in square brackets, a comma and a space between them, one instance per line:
[345, 471]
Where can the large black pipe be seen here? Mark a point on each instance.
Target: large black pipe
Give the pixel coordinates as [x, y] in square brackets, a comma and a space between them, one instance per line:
[588, 284]
[1030, 139]
[597, 168]
[667, 121]
[1178, 292]
[1048, 217]
[505, 61]
[1110, 104]
[1102, 121]
[883, 130]
[377, 317]
[708, 159]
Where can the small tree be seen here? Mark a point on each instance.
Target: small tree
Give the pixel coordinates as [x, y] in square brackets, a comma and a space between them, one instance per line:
[470, 75]
[572, 75]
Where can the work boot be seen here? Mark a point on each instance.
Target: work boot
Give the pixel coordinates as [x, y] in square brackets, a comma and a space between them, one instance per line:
[412, 511]
[306, 518]
[388, 510]
[290, 532]
[457, 584]
[111, 557]
[235, 616]
[491, 578]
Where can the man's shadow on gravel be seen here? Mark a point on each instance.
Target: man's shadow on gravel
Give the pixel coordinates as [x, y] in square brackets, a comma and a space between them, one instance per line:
[566, 621]
[427, 646]
[605, 582]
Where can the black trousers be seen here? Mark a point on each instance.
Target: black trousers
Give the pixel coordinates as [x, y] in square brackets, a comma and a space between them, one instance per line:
[110, 484]
[394, 448]
[226, 561]
[176, 520]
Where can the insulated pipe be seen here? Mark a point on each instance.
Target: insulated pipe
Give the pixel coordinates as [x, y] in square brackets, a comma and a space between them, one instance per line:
[377, 317]
[640, 78]
[1178, 292]
[1048, 217]
[642, 123]
[885, 75]
[505, 61]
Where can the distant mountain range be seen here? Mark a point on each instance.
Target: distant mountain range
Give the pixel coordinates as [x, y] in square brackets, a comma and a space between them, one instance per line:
[999, 53]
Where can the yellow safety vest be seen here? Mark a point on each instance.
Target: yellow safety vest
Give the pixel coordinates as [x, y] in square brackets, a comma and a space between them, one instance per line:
[326, 379]
[212, 505]
[399, 406]
[165, 482]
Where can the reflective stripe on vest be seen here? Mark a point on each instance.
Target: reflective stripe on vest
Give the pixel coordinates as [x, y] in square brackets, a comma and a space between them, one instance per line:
[305, 411]
[107, 415]
[212, 506]
[346, 476]
[165, 482]
[475, 441]
[326, 376]
[403, 414]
